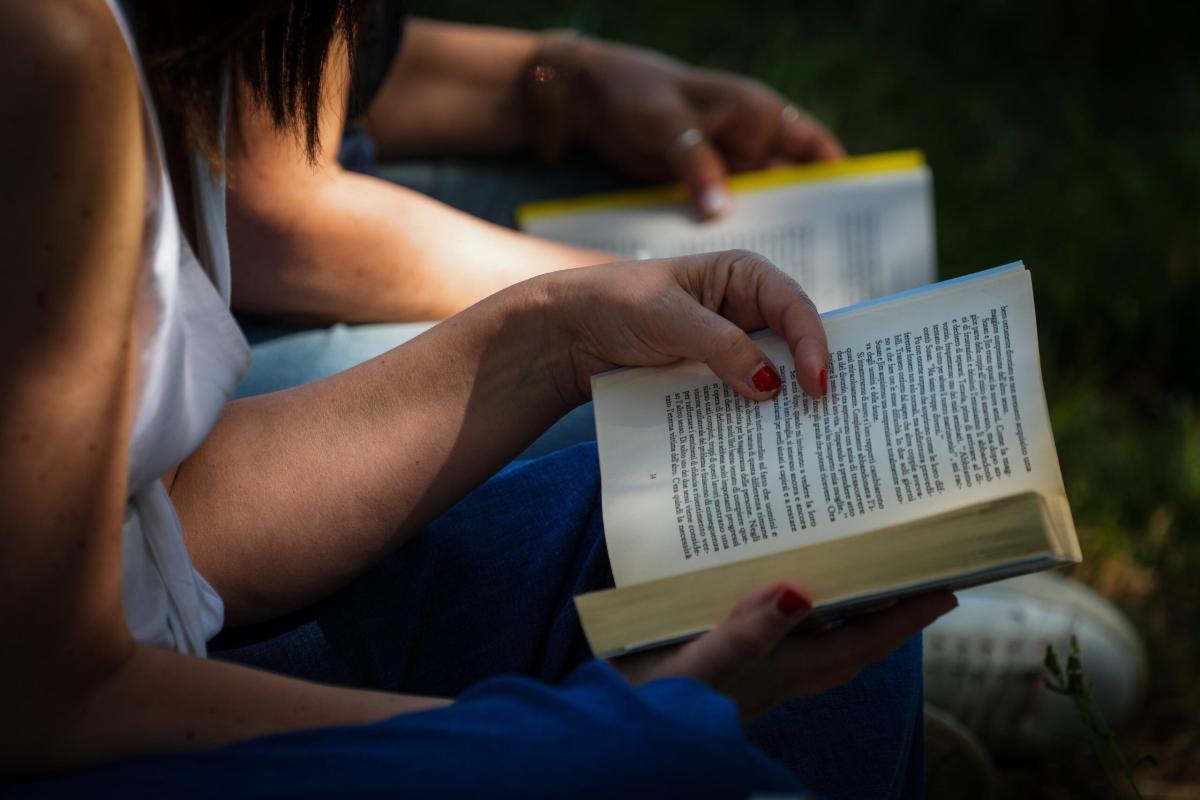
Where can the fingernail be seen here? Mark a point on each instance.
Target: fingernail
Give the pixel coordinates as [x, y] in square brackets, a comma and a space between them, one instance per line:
[824, 381]
[791, 603]
[766, 379]
[713, 201]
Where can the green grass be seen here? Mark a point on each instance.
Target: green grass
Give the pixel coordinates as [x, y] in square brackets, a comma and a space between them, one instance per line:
[1064, 134]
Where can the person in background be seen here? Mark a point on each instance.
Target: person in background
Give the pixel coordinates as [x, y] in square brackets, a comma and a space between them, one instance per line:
[474, 120]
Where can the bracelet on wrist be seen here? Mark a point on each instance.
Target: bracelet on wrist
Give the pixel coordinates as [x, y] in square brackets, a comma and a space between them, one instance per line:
[547, 89]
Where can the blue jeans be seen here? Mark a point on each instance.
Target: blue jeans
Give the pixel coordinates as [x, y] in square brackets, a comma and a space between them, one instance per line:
[478, 607]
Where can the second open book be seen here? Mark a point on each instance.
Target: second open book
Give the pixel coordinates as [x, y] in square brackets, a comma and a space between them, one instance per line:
[929, 463]
[847, 230]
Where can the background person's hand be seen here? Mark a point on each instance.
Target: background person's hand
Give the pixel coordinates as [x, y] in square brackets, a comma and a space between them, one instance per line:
[661, 119]
[759, 655]
[650, 313]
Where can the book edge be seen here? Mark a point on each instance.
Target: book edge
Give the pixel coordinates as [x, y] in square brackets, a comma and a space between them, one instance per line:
[855, 166]
[839, 608]
[1055, 550]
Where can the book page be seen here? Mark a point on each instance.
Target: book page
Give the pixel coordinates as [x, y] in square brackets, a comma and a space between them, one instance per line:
[844, 239]
[935, 402]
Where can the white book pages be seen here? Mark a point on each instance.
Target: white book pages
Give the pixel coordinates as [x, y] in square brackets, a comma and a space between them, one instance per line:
[935, 402]
[844, 239]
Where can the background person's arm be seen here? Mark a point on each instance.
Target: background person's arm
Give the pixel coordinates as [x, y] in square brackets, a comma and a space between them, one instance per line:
[315, 242]
[460, 89]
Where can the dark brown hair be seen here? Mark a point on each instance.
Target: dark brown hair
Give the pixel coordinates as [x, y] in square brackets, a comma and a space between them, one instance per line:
[277, 49]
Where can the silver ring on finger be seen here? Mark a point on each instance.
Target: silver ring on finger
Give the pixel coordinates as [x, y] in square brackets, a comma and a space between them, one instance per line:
[683, 142]
[789, 114]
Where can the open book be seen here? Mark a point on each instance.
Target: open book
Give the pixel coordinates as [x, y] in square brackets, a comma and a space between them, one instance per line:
[929, 463]
[848, 231]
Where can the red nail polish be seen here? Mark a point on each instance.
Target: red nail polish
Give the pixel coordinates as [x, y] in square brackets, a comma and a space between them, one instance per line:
[766, 379]
[824, 381]
[791, 603]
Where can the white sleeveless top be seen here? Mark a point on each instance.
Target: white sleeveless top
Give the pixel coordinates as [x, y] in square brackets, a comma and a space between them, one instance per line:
[190, 357]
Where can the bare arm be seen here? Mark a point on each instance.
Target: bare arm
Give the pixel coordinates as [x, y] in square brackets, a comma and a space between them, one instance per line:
[458, 89]
[315, 242]
[338, 472]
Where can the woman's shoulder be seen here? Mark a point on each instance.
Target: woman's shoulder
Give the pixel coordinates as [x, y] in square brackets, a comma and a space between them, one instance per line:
[65, 58]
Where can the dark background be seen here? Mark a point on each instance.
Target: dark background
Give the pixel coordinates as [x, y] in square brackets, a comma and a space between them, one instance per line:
[1066, 134]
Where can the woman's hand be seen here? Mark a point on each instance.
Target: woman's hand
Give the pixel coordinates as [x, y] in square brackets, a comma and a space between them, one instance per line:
[661, 119]
[649, 313]
[759, 659]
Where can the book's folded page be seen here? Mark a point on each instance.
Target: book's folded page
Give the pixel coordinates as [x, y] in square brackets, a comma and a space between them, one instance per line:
[847, 230]
[935, 414]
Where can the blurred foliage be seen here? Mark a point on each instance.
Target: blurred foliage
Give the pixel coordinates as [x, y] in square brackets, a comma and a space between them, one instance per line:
[1065, 134]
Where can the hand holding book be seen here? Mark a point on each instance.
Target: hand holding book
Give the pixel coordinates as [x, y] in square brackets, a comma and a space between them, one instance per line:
[735, 124]
[655, 313]
[762, 654]
[698, 308]
[930, 463]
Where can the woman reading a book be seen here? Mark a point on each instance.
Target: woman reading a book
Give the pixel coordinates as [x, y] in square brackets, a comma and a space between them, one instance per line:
[381, 596]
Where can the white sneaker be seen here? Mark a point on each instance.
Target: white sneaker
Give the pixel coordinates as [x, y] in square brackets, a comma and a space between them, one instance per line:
[983, 661]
